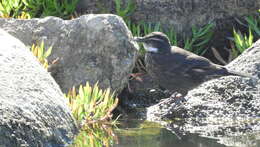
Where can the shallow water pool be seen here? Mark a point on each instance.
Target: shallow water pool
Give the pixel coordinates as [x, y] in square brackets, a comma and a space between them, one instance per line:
[137, 133]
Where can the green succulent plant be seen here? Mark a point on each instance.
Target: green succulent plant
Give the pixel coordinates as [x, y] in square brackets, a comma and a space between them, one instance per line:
[91, 104]
[37, 8]
[199, 39]
[242, 42]
[41, 53]
[125, 12]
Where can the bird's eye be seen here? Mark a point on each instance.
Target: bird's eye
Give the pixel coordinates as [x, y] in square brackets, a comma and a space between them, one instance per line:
[150, 48]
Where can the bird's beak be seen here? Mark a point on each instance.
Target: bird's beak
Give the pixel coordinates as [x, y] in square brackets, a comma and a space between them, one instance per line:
[139, 39]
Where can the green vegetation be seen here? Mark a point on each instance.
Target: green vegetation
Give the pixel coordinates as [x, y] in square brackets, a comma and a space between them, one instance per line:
[37, 8]
[199, 39]
[239, 43]
[91, 104]
[149, 28]
[135, 28]
[13, 8]
[93, 108]
[126, 12]
[42, 8]
[253, 23]
[242, 42]
[172, 36]
[41, 53]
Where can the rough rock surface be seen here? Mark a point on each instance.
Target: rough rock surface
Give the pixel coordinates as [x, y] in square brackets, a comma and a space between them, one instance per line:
[33, 110]
[228, 106]
[90, 48]
[182, 14]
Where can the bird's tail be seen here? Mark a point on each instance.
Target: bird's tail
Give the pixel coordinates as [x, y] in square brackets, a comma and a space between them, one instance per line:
[225, 72]
[235, 73]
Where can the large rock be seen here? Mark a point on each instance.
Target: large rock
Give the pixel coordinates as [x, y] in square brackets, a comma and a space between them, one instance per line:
[227, 106]
[33, 110]
[90, 48]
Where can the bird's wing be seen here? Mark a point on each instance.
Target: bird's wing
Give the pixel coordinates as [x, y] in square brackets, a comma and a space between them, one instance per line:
[200, 66]
[189, 62]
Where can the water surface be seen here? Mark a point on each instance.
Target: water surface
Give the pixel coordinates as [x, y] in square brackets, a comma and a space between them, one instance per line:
[137, 133]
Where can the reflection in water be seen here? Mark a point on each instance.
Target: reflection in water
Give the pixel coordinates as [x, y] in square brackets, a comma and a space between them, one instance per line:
[144, 134]
[95, 135]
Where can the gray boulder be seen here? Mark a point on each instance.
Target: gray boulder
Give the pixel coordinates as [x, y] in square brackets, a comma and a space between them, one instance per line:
[90, 48]
[227, 106]
[33, 110]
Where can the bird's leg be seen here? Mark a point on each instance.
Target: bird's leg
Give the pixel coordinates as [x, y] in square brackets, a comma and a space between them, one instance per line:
[137, 76]
[129, 88]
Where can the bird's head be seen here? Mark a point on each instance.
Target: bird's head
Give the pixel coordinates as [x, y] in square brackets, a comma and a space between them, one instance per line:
[155, 42]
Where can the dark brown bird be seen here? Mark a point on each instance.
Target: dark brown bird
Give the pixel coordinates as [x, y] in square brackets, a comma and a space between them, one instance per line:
[177, 69]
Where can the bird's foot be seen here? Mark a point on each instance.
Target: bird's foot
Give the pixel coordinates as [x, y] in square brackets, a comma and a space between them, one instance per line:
[176, 95]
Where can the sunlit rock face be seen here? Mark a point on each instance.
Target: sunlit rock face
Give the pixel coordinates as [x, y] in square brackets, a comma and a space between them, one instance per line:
[33, 110]
[93, 48]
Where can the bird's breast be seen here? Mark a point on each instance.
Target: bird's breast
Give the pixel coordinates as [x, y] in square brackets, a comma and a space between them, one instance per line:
[153, 65]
